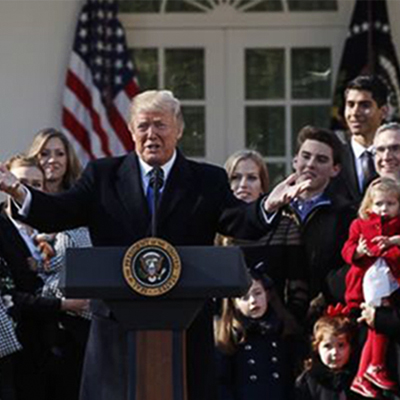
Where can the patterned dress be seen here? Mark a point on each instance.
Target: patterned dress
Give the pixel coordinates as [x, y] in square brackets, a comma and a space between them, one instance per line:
[9, 343]
[74, 238]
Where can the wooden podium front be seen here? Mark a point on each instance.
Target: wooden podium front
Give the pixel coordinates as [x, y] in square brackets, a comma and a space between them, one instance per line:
[159, 355]
[157, 325]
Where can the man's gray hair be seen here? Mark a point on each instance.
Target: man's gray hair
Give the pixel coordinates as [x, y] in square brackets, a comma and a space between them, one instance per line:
[159, 101]
[390, 126]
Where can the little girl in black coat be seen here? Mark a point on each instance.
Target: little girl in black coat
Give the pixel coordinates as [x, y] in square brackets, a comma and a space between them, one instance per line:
[251, 359]
[331, 369]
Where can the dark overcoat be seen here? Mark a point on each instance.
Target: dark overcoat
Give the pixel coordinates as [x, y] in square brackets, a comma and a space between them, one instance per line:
[196, 203]
[260, 368]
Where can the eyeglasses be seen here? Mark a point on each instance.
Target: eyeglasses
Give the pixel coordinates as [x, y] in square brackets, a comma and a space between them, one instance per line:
[393, 149]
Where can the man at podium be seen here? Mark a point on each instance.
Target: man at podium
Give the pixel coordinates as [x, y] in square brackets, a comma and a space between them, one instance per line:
[111, 198]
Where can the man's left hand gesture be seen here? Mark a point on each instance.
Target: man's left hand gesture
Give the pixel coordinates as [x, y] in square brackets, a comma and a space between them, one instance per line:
[11, 185]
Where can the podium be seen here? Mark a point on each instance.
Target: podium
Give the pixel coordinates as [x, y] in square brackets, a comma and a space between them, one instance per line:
[156, 325]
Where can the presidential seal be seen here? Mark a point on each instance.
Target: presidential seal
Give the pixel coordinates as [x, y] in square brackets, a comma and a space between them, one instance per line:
[151, 267]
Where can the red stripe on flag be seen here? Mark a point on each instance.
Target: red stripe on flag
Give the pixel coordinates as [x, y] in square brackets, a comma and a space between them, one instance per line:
[120, 127]
[103, 123]
[131, 89]
[81, 91]
[77, 130]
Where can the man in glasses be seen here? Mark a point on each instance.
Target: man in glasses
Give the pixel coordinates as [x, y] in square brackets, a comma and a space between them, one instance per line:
[387, 150]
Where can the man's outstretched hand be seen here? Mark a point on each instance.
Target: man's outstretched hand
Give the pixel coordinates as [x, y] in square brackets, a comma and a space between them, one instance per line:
[11, 185]
[284, 192]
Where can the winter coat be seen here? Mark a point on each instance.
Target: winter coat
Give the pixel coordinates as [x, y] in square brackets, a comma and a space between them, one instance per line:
[323, 233]
[369, 228]
[258, 370]
[322, 383]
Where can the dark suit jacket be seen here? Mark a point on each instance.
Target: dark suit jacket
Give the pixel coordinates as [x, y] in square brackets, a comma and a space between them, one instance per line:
[346, 183]
[196, 203]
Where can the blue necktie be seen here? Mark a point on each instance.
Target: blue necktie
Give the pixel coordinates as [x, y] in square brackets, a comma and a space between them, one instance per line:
[156, 182]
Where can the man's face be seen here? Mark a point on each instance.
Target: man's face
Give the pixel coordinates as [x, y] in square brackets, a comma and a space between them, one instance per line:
[362, 113]
[156, 135]
[387, 154]
[314, 161]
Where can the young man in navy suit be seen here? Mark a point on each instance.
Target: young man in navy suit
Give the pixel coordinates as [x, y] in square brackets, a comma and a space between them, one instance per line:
[365, 110]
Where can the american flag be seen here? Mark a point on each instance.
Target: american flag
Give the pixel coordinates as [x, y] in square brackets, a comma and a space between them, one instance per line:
[100, 83]
[369, 49]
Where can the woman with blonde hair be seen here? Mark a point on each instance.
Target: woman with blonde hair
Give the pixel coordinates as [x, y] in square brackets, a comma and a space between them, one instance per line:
[61, 166]
[248, 174]
[58, 159]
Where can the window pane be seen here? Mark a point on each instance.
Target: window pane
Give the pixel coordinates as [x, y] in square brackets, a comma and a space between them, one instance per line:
[311, 73]
[265, 5]
[193, 142]
[312, 5]
[184, 72]
[182, 6]
[309, 115]
[139, 6]
[265, 127]
[147, 67]
[277, 173]
[265, 74]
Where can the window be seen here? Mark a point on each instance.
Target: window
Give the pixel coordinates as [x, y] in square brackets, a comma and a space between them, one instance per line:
[249, 73]
[204, 6]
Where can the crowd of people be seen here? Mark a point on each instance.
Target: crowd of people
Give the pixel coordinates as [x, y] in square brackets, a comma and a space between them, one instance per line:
[321, 319]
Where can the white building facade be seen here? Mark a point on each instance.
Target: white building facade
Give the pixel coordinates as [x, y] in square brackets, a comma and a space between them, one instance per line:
[250, 73]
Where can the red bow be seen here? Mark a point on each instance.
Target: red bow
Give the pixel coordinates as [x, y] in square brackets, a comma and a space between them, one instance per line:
[339, 309]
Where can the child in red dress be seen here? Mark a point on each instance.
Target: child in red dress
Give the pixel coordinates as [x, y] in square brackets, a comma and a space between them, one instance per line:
[375, 234]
